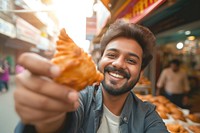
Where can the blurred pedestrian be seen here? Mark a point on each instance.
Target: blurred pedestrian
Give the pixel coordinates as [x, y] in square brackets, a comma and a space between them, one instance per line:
[174, 82]
[1, 83]
[5, 75]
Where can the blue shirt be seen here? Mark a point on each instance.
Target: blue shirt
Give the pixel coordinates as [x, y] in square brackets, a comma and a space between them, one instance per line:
[136, 116]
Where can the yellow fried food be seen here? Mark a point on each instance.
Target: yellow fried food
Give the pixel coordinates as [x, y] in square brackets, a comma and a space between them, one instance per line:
[78, 70]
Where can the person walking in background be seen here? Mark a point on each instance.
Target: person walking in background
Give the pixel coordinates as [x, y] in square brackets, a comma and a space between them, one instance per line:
[2, 88]
[5, 75]
[175, 84]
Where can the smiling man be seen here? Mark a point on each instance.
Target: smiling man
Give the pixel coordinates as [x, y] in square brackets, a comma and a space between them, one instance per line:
[121, 67]
[111, 107]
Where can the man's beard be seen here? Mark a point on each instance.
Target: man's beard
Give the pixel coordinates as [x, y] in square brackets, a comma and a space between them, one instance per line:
[125, 88]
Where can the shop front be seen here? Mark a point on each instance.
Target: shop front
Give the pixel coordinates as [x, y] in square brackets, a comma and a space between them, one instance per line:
[19, 38]
[178, 36]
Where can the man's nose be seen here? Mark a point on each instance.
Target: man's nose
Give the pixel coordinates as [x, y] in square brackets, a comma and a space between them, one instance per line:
[119, 63]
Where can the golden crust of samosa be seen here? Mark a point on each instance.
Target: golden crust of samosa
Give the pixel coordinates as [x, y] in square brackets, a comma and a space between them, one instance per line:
[78, 70]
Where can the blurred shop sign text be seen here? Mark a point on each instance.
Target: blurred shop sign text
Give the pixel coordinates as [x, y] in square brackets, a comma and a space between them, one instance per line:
[135, 10]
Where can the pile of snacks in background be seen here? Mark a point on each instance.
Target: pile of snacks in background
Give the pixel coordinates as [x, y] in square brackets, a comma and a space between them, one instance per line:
[176, 119]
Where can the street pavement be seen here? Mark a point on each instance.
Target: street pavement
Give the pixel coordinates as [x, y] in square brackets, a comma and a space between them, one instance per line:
[8, 116]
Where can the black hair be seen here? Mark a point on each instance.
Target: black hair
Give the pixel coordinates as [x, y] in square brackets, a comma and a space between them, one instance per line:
[175, 61]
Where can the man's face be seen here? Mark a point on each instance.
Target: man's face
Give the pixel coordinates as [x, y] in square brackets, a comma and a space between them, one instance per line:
[121, 65]
[174, 67]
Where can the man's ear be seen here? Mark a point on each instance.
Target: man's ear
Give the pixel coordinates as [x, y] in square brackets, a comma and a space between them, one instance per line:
[142, 72]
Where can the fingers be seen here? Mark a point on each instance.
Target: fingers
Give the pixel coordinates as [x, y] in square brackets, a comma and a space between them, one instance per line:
[45, 86]
[44, 94]
[43, 103]
[38, 65]
[37, 116]
[38, 99]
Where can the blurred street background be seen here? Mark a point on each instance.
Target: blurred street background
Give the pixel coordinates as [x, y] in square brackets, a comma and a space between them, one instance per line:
[33, 26]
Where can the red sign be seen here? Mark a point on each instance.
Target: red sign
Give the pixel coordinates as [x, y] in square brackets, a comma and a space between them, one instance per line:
[138, 9]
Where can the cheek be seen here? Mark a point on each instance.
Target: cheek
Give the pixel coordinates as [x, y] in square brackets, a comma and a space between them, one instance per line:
[102, 63]
[135, 72]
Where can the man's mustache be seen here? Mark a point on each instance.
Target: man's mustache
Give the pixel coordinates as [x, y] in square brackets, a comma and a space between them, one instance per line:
[116, 70]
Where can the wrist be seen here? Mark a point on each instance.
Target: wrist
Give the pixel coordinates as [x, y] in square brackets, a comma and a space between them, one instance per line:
[53, 126]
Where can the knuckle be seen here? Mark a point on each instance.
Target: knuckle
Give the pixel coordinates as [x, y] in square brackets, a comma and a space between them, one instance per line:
[22, 58]
[40, 85]
[18, 77]
[43, 102]
[38, 88]
[17, 95]
[64, 94]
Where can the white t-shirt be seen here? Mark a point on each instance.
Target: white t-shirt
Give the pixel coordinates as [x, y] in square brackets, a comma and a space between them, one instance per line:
[109, 122]
[174, 82]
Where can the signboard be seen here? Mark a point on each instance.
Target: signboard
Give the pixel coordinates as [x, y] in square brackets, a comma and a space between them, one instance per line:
[138, 9]
[27, 32]
[7, 28]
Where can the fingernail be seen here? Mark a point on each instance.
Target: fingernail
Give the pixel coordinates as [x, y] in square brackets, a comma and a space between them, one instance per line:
[73, 96]
[55, 71]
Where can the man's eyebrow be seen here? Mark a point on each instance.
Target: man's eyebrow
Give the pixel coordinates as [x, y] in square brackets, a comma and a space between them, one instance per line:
[112, 49]
[135, 55]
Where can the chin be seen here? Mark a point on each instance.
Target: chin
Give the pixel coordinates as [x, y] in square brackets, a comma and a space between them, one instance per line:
[115, 90]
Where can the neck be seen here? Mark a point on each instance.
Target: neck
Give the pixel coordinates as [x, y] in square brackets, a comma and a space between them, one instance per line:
[114, 103]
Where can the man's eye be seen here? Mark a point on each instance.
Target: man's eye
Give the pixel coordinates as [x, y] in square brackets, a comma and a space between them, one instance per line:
[111, 55]
[131, 61]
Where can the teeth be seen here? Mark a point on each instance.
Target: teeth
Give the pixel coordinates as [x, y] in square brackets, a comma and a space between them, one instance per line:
[116, 75]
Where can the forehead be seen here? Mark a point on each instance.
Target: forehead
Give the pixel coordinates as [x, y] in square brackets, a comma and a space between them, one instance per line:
[125, 45]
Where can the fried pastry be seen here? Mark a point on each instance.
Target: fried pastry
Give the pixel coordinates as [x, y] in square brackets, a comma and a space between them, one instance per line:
[194, 128]
[78, 70]
[193, 118]
[176, 128]
[178, 117]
